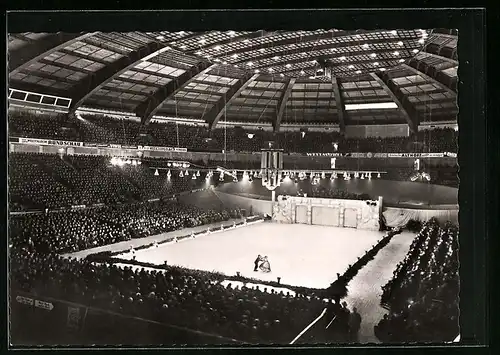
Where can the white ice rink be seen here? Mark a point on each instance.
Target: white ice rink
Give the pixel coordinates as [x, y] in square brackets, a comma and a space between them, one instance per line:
[302, 255]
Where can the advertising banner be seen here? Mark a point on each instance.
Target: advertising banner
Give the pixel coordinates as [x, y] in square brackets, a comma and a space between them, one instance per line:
[163, 149]
[50, 142]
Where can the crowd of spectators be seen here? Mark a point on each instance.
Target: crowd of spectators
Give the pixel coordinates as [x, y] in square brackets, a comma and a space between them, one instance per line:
[108, 130]
[176, 296]
[422, 297]
[40, 181]
[73, 230]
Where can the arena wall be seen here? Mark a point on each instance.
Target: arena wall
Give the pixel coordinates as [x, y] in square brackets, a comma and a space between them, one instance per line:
[399, 217]
[252, 205]
[328, 212]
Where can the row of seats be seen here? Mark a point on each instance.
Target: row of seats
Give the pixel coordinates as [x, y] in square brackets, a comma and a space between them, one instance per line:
[74, 230]
[422, 296]
[102, 129]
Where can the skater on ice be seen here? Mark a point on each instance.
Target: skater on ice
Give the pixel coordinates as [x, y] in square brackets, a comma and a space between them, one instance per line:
[265, 266]
[256, 262]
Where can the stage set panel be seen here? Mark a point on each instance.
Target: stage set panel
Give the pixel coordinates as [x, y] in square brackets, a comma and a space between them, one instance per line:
[328, 212]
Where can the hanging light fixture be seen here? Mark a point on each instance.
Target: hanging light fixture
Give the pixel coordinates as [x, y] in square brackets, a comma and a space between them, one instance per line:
[198, 173]
[156, 172]
[186, 173]
[181, 174]
[169, 174]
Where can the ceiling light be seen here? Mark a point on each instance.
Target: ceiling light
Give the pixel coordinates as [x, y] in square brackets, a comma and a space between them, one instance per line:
[400, 43]
[415, 51]
[351, 66]
[282, 74]
[262, 50]
[375, 63]
[257, 71]
[231, 33]
[302, 72]
[373, 55]
[217, 60]
[382, 69]
[311, 77]
[202, 41]
[394, 33]
[358, 71]
[314, 61]
[224, 63]
[235, 66]
[217, 48]
[181, 32]
[288, 65]
[365, 46]
[401, 60]
[198, 53]
[421, 41]
[396, 53]
[246, 41]
[160, 38]
[271, 70]
[235, 56]
[276, 58]
[357, 36]
[183, 47]
[249, 64]
[342, 58]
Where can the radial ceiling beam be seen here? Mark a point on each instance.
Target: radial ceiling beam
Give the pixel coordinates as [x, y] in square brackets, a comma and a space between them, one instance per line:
[91, 84]
[411, 122]
[339, 103]
[226, 99]
[30, 54]
[428, 78]
[148, 108]
[282, 103]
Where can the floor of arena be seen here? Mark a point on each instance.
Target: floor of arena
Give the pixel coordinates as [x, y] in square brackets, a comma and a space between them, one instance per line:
[300, 254]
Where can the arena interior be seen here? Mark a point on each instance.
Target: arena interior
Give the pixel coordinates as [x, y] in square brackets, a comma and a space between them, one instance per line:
[147, 171]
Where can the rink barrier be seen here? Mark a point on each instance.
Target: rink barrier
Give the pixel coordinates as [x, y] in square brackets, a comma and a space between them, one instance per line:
[248, 221]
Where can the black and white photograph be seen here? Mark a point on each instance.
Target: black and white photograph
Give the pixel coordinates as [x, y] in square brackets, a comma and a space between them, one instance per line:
[227, 187]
